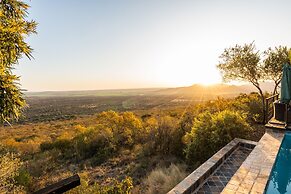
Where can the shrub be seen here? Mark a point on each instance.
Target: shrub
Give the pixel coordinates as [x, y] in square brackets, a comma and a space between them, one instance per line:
[134, 125]
[112, 130]
[250, 104]
[123, 187]
[164, 137]
[116, 187]
[214, 106]
[24, 178]
[46, 146]
[160, 137]
[164, 134]
[210, 132]
[95, 142]
[126, 127]
[43, 163]
[162, 180]
[9, 169]
[64, 145]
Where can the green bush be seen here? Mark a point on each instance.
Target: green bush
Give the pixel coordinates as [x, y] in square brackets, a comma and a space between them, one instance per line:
[126, 127]
[214, 106]
[164, 137]
[210, 132]
[61, 144]
[110, 132]
[46, 146]
[95, 143]
[116, 187]
[10, 164]
[23, 178]
[65, 146]
[250, 104]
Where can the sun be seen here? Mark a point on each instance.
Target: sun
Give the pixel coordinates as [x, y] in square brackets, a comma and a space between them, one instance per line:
[209, 82]
[187, 75]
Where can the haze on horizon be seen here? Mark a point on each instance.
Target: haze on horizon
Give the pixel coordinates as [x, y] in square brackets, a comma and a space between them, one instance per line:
[94, 44]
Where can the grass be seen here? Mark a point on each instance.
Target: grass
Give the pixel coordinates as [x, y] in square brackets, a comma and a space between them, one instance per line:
[162, 180]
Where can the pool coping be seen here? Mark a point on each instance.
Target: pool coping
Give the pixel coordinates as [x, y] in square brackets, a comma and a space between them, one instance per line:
[253, 174]
[193, 181]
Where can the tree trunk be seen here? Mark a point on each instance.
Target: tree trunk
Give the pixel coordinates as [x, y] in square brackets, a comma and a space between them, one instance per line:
[263, 102]
[275, 88]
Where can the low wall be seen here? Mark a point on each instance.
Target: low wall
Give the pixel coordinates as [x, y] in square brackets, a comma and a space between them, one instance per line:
[193, 181]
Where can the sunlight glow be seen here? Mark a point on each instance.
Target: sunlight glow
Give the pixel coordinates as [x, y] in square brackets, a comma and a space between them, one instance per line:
[139, 44]
[186, 65]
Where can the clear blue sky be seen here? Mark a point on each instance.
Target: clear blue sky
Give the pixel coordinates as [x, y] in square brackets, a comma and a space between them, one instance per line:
[103, 44]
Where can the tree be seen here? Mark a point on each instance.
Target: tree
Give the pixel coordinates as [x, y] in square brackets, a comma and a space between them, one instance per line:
[212, 131]
[273, 64]
[126, 127]
[14, 28]
[242, 63]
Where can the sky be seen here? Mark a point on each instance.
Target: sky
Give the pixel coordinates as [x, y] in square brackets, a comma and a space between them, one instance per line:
[114, 44]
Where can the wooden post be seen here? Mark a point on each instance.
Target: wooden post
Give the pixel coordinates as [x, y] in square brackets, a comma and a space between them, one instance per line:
[61, 186]
[269, 100]
[266, 116]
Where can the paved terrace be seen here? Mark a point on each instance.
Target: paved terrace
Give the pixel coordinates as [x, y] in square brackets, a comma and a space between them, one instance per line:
[214, 174]
[219, 179]
[253, 175]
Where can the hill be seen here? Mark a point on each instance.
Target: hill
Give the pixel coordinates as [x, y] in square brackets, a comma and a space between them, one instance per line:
[212, 91]
[196, 90]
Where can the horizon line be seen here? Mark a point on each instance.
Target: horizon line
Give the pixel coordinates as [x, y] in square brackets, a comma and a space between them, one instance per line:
[141, 88]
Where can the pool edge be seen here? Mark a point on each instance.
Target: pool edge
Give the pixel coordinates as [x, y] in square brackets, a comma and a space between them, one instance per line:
[253, 174]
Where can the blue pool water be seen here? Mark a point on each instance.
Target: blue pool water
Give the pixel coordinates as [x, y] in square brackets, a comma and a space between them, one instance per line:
[280, 178]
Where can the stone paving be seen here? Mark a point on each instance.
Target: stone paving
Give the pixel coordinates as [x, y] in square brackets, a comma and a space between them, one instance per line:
[193, 182]
[253, 174]
[219, 179]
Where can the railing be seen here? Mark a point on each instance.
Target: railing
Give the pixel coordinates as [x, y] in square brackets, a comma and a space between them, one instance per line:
[269, 109]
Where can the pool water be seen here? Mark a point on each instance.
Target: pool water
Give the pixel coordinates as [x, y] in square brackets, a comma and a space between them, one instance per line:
[280, 178]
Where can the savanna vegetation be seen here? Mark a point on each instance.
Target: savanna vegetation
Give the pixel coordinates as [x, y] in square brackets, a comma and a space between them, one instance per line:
[138, 151]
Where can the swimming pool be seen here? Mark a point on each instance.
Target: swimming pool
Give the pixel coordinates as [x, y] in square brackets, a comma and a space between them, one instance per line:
[280, 179]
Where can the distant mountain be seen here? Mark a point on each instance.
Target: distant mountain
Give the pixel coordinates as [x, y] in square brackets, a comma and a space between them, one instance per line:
[225, 90]
[196, 90]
